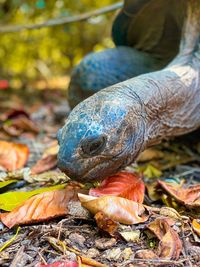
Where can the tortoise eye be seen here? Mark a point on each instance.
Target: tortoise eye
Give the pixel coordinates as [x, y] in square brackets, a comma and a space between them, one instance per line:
[93, 146]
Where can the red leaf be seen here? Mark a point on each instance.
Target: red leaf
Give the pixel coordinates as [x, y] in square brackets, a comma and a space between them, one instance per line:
[122, 184]
[13, 156]
[41, 207]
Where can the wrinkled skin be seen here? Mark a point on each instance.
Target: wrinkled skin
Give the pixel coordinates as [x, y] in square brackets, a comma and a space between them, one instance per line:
[99, 140]
[107, 131]
[100, 70]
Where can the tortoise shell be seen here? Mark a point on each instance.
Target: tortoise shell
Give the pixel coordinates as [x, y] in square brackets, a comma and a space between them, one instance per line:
[153, 26]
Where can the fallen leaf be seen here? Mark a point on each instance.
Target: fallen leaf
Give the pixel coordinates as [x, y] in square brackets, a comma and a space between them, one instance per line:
[18, 124]
[150, 154]
[170, 245]
[122, 184]
[52, 150]
[53, 177]
[10, 200]
[39, 208]
[117, 208]
[152, 191]
[87, 262]
[5, 183]
[196, 227]
[150, 171]
[59, 264]
[44, 164]
[190, 197]
[105, 223]
[145, 254]
[13, 156]
[13, 113]
[131, 236]
[48, 160]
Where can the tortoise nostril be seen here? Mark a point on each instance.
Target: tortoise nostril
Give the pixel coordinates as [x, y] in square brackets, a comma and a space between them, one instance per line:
[93, 146]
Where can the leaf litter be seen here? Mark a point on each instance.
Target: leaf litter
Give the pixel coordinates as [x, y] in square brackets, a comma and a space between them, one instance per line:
[125, 225]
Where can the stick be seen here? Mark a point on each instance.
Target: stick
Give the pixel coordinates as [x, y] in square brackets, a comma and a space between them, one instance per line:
[61, 21]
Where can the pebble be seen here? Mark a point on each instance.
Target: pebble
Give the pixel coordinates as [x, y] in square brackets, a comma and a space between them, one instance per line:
[104, 243]
[92, 253]
[77, 239]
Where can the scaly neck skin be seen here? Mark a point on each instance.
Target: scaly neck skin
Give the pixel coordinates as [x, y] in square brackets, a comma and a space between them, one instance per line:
[169, 102]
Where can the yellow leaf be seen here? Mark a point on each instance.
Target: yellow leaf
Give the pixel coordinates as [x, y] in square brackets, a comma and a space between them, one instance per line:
[10, 200]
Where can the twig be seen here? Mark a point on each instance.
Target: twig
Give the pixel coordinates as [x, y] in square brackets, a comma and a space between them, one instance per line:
[17, 257]
[42, 258]
[185, 251]
[157, 261]
[61, 21]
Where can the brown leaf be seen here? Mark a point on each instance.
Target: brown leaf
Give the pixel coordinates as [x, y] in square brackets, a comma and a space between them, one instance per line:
[145, 254]
[20, 124]
[122, 184]
[13, 156]
[117, 208]
[170, 245]
[44, 164]
[150, 154]
[48, 160]
[39, 208]
[190, 196]
[105, 223]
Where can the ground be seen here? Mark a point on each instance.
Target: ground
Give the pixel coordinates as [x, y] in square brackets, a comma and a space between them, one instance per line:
[176, 159]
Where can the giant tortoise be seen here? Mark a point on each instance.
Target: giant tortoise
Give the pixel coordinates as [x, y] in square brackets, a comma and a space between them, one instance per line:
[108, 130]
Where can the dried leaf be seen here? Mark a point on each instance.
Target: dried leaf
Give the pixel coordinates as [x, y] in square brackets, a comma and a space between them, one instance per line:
[122, 184]
[190, 197]
[48, 160]
[39, 208]
[10, 200]
[170, 212]
[105, 223]
[150, 171]
[44, 164]
[150, 154]
[131, 236]
[145, 254]
[19, 124]
[117, 208]
[170, 245]
[196, 227]
[87, 262]
[54, 177]
[13, 156]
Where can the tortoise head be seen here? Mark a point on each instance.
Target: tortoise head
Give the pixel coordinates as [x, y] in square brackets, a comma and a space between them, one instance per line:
[101, 135]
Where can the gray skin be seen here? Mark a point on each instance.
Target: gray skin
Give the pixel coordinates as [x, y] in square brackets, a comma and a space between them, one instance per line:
[107, 131]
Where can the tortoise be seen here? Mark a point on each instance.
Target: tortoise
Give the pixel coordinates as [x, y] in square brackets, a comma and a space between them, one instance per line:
[144, 43]
[108, 130]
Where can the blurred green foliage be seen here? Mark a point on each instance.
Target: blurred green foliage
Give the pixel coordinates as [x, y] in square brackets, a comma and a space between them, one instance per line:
[52, 51]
